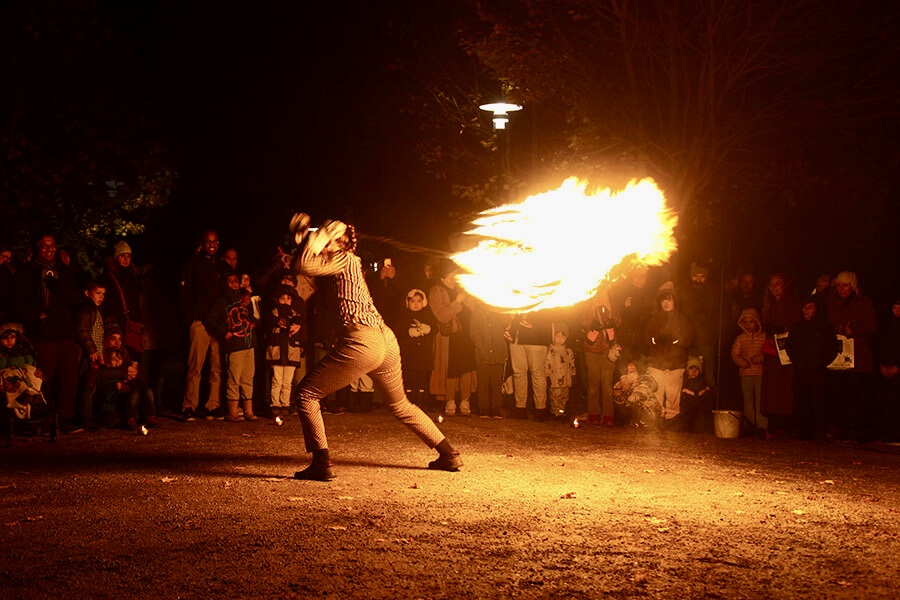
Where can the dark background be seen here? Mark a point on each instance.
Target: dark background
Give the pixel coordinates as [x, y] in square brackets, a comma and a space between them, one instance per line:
[265, 108]
[273, 108]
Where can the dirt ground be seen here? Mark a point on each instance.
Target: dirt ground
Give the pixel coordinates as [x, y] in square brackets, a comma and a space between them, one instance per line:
[540, 510]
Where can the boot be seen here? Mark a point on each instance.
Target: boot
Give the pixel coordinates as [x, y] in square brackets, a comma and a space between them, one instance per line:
[233, 416]
[319, 469]
[448, 458]
[248, 411]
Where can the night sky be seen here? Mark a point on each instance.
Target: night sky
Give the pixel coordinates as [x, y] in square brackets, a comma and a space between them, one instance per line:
[276, 107]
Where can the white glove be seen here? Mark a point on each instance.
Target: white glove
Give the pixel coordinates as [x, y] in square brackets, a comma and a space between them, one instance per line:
[328, 232]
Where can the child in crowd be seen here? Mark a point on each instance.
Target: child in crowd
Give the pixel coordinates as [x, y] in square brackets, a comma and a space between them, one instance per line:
[560, 367]
[747, 354]
[635, 395]
[415, 329]
[230, 319]
[123, 384]
[247, 284]
[20, 377]
[90, 332]
[696, 396]
[284, 346]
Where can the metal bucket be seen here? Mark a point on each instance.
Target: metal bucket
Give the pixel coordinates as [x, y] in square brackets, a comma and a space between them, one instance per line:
[727, 423]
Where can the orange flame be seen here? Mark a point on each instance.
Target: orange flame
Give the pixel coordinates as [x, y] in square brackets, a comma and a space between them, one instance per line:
[555, 249]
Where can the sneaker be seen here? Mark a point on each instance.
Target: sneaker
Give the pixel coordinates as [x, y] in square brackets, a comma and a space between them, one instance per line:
[216, 414]
[131, 424]
[188, 415]
[152, 422]
[316, 472]
[446, 462]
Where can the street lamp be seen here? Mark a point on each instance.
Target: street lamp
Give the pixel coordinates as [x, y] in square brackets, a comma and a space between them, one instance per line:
[501, 112]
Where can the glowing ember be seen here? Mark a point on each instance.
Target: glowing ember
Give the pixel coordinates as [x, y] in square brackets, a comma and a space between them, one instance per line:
[555, 249]
[144, 430]
[576, 424]
[278, 421]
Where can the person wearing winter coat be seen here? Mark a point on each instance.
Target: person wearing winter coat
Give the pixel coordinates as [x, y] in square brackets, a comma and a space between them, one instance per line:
[747, 354]
[415, 328]
[285, 335]
[811, 346]
[45, 297]
[852, 314]
[668, 336]
[560, 368]
[230, 319]
[491, 352]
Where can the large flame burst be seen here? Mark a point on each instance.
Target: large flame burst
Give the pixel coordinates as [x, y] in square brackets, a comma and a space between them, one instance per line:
[556, 248]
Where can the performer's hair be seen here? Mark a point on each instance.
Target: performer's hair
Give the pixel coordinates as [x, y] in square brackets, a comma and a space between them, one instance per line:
[348, 240]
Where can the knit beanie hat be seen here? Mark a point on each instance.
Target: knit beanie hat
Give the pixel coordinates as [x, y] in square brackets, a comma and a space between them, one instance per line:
[695, 361]
[121, 248]
[848, 277]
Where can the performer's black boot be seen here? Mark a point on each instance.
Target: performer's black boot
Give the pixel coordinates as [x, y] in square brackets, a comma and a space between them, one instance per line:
[319, 469]
[448, 459]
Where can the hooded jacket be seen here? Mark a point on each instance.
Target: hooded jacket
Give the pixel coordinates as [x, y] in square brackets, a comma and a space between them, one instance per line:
[746, 351]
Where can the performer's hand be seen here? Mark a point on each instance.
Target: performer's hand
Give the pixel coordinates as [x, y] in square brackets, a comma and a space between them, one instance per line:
[329, 232]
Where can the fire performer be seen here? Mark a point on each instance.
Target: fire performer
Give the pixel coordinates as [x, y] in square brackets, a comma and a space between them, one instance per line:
[366, 346]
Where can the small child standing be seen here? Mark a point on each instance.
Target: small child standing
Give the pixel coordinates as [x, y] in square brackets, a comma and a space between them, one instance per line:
[415, 329]
[90, 332]
[230, 318]
[747, 354]
[695, 398]
[560, 367]
[284, 346]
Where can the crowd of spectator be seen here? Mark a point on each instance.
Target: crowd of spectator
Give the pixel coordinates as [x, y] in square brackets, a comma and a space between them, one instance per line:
[649, 350]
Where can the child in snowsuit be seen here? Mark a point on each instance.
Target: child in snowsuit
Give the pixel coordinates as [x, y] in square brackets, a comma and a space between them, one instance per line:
[560, 367]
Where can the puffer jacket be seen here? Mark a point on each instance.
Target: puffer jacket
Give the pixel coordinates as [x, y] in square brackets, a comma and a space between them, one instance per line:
[746, 351]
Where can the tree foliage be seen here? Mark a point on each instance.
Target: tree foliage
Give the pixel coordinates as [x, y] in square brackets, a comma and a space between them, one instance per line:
[737, 107]
[688, 91]
[79, 155]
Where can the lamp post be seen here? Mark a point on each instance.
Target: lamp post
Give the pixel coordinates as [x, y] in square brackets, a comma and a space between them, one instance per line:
[501, 111]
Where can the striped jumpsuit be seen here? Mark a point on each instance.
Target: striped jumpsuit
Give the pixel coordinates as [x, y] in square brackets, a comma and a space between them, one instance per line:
[367, 346]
